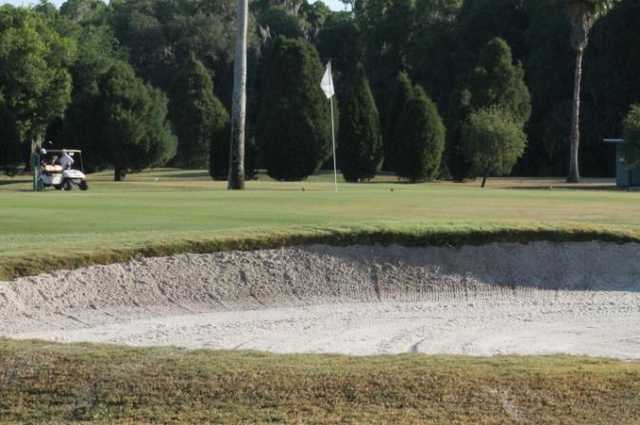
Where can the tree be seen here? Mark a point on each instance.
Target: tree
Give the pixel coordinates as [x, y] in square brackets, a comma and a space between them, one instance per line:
[496, 81]
[161, 34]
[340, 41]
[10, 149]
[197, 115]
[549, 71]
[219, 157]
[611, 74]
[398, 30]
[135, 131]
[238, 112]
[632, 137]
[582, 14]
[280, 22]
[421, 134]
[434, 38]
[360, 147]
[91, 11]
[294, 124]
[494, 141]
[82, 124]
[403, 91]
[34, 79]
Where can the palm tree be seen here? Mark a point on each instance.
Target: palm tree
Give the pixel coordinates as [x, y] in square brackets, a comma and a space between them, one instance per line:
[582, 14]
[239, 107]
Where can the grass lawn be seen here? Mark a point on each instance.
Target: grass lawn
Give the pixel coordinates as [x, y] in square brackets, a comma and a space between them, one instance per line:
[168, 211]
[48, 383]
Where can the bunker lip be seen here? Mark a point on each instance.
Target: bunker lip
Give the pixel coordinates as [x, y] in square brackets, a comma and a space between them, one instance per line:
[12, 267]
[498, 298]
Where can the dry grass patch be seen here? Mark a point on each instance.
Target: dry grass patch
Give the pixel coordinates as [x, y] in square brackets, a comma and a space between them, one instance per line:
[42, 382]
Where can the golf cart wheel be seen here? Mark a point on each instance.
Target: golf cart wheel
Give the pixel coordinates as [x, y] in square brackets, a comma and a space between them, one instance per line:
[67, 185]
[57, 186]
[84, 185]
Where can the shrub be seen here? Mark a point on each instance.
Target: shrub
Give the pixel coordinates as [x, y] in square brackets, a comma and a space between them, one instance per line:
[360, 142]
[198, 116]
[493, 142]
[421, 134]
[294, 123]
[401, 94]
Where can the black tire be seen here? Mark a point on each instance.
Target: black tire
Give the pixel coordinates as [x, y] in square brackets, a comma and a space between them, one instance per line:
[57, 186]
[67, 185]
[84, 185]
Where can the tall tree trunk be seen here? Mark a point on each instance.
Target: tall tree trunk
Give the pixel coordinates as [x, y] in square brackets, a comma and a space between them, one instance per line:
[574, 139]
[30, 149]
[239, 108]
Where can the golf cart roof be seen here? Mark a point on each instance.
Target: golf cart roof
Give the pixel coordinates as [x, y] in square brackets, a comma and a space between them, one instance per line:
[63, 150]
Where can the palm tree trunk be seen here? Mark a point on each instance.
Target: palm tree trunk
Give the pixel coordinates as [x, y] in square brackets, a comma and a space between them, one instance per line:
[239, 107]
[574, 139]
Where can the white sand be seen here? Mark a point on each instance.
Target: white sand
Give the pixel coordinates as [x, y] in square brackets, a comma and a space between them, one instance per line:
[576, 298]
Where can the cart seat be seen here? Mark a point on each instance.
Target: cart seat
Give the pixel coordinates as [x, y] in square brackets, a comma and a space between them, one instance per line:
[52, 168]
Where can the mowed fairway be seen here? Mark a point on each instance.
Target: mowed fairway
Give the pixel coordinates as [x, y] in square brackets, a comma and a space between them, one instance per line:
[169, 211]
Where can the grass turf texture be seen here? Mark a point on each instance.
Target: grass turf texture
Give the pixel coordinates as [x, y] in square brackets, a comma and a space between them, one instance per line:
[49, 383]
[170, 211]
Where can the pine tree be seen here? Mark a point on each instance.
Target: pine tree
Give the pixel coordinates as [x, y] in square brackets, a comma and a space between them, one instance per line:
[403, 91]
[497, 82]
[294, 123]
[421, 135]
[197, 115]
[135, 130]
[360, 141]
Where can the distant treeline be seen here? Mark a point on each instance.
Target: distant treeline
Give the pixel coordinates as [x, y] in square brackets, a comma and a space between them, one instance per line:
[424, 87]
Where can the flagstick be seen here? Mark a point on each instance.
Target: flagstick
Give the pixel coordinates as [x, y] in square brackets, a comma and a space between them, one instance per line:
[333, 137]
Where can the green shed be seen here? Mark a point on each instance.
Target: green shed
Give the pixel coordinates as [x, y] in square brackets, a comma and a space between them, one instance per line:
[625, 177]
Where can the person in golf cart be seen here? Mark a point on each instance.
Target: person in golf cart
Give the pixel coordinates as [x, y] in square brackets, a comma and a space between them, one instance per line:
[65, 161]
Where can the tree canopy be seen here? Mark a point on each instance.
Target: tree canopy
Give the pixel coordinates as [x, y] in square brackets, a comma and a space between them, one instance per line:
[35, 84]
[467, 54]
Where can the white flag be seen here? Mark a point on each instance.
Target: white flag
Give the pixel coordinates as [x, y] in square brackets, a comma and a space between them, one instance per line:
[327, 82]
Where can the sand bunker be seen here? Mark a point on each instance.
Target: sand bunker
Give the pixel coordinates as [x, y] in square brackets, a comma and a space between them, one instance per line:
[538, 298]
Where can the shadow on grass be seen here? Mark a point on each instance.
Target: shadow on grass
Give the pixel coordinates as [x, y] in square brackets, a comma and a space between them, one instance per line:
[191, 174]
[601, 188]
[10, 182]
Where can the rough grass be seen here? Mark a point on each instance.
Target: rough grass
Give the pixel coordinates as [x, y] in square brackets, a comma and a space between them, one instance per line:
[48, 383]
[170, 211]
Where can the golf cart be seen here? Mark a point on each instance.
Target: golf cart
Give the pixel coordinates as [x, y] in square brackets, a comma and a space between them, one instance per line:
[56, 169]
